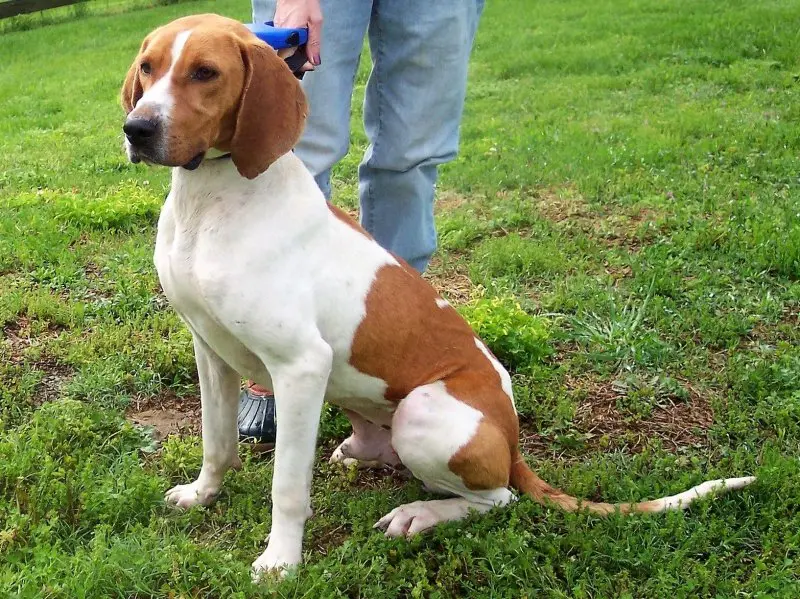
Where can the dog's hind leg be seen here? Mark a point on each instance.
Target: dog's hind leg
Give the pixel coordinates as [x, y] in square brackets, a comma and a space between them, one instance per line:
[368, 447]
[219, 393]
[453, 449]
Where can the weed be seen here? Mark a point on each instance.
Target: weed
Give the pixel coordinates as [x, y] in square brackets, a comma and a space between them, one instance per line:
[518, 339]
[618, 338]
[639, 395]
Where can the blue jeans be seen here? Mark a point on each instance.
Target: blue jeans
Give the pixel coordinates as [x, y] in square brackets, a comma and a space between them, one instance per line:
[412, 107]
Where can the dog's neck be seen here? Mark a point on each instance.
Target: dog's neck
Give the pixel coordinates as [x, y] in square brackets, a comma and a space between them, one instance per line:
[214, 177]
[218, 177]
[285, 195]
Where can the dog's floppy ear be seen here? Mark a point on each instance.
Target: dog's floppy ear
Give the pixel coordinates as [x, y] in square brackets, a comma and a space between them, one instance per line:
[131, 91]
[272, 111]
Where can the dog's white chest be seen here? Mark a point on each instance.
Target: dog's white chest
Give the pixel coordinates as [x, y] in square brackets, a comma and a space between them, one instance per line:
[176, 260]
[194, 281]
[204, 270]
[252, 281]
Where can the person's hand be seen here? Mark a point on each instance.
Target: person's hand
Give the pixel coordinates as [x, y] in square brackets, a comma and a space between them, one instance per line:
[303, 13]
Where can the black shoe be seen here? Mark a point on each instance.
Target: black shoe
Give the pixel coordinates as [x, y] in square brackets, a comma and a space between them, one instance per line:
[256, 418]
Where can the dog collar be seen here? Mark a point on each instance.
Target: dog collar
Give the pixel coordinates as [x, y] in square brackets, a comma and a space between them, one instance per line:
[215, 154]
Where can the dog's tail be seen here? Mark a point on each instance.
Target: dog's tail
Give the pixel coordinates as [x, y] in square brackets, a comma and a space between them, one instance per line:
[524, 480]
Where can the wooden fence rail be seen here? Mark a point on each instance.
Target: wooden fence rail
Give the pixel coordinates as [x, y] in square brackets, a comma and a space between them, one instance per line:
[12, 8]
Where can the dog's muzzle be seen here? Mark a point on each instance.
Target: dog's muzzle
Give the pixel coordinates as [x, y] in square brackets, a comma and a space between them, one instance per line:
[140, 134]
[139, 131]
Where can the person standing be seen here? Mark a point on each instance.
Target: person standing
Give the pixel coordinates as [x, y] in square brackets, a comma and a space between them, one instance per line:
[413, 105]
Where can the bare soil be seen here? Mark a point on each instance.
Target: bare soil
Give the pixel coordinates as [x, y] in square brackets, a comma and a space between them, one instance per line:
[167, 414]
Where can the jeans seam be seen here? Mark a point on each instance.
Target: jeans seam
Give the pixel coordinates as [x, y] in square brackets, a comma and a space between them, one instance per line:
[376, 72]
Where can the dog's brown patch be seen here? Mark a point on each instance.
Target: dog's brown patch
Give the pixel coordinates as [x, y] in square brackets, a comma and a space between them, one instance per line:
[408, 341]
[485, 462]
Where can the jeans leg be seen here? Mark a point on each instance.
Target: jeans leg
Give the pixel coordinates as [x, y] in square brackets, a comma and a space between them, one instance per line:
[329, 87]
[412, 111]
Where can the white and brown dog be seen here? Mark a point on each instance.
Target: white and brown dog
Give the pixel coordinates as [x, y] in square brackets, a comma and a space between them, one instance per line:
[277, 285]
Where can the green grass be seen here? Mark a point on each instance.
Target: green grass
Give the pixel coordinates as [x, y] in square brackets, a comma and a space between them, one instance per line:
[626, 206]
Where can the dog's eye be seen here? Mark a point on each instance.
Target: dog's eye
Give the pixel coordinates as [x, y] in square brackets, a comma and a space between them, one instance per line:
[204, 74]
[146, 68]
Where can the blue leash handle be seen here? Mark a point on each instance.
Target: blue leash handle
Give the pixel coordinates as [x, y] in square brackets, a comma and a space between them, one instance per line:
[279, 37]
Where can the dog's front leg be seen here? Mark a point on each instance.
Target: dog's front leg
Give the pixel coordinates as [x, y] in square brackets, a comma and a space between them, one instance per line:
[219, 393]
[299, 386]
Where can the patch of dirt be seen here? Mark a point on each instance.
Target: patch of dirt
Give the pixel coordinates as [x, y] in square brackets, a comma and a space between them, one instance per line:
[330, 539]
[678, 423]
[557, 207]
[450, 280]
[94, 274]
[92, 271]
[54, 378]
[83, 239]
[18, 337]
[612, 226]
[786, 329]
[353, 480]
[20, 334]
[331, 536]
[602, 426]
[383, 478]
[533, 444]
[167, 414]
[447, 201]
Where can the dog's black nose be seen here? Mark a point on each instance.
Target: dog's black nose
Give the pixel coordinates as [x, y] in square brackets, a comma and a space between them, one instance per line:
[139, 131]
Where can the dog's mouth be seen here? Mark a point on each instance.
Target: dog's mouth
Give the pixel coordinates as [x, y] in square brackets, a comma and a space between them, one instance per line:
[136, 155]
[194, 162]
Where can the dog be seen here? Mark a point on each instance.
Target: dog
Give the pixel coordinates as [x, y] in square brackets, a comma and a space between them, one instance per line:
[277, 285]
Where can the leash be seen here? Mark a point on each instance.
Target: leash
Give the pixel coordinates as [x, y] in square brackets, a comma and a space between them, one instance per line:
[282, 38]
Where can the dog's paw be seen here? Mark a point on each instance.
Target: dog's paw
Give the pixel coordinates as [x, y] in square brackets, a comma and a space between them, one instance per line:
[408, 520]
[339, 457]
[413, 518]
[272, 563]
[352, 452]
[186, 496]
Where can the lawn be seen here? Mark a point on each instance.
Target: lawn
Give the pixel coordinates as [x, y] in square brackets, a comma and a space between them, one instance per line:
[622, 227]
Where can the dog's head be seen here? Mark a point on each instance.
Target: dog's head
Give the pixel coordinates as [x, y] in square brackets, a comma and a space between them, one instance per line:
[207, 82]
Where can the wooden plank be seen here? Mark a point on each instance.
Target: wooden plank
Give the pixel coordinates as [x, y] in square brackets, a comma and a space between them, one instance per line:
[12, 8]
